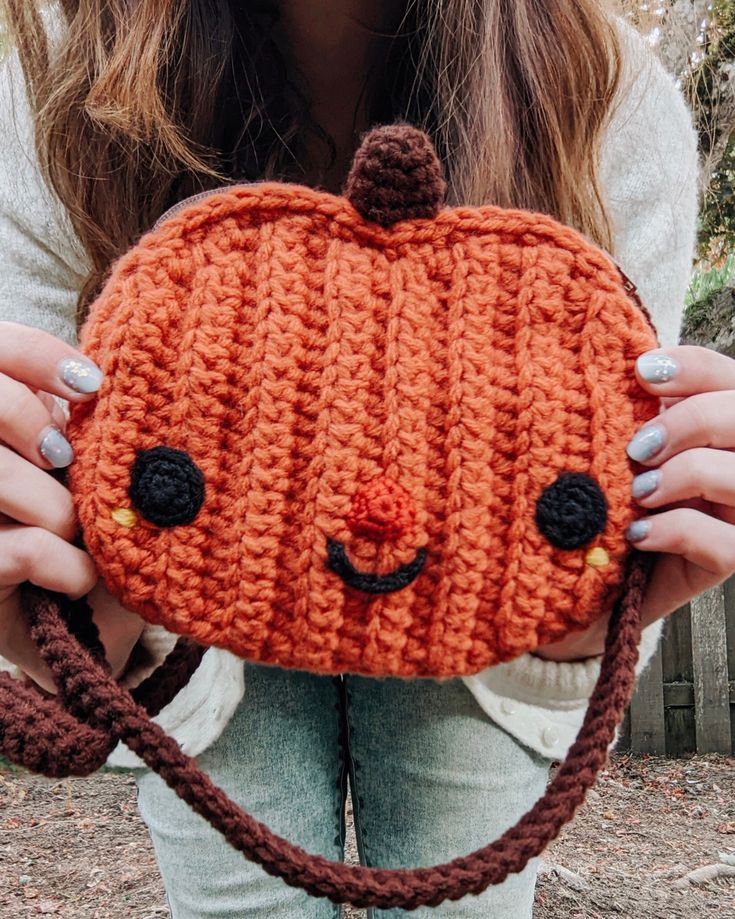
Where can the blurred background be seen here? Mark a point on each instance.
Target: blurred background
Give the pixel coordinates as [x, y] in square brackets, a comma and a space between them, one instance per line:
[695, 39]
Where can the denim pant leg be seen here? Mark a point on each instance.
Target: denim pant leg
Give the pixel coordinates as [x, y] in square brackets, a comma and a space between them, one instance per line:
[281, 758]
[434, 778]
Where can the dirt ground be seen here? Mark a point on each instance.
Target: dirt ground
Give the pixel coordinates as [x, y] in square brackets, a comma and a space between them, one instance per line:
[77, 849]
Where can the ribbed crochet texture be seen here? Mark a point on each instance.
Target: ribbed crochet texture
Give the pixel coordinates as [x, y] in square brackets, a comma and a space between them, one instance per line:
[302, 357]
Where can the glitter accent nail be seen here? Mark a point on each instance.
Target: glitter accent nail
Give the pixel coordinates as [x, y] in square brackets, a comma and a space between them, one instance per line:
[80, 375]
[646, 443]
[55, 448]
[646, 483]
[657, 368]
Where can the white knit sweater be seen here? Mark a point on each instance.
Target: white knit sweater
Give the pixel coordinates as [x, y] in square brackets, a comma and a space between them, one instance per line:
[649, 180]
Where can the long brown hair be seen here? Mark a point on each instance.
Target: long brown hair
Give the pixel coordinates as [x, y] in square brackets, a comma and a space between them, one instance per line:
[138, 103]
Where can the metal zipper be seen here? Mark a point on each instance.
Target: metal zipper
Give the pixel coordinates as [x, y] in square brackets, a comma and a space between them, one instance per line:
[632, 291]
[627, 283]
[192, 199]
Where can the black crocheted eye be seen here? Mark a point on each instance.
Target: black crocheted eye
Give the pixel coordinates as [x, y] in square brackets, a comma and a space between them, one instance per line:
[571, 511]
[166, 486]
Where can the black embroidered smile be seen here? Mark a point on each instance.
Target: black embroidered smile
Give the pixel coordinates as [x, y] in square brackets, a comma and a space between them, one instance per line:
[372, 583]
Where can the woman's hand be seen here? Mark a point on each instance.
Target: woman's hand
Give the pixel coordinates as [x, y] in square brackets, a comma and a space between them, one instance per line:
[37, 521]
[689, 450]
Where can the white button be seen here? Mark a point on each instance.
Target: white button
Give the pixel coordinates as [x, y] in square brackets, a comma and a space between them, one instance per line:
[508, 707]
[550, 737]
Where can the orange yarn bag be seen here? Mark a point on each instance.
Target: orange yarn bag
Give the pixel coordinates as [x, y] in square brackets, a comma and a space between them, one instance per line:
[358, 434]
[367, 414]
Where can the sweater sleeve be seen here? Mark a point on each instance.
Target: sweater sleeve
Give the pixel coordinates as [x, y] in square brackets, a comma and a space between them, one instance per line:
[649, 174]
[43, 265]
[43, 269]
[650, 170]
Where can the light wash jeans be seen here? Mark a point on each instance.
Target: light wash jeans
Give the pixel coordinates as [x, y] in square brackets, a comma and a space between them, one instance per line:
[431, 777]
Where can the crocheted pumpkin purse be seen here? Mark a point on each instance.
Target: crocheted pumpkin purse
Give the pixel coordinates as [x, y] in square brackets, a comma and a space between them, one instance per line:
[361, 434]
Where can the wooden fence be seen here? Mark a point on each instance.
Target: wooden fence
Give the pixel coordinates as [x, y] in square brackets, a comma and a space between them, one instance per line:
[685, 702]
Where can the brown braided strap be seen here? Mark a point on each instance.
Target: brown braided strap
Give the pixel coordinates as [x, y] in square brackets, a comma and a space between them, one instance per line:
[39, 734]
[163, 684]
[92, 695]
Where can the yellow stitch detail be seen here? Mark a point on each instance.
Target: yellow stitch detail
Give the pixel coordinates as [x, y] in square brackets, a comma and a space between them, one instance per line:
[597, 557]
[124, 516]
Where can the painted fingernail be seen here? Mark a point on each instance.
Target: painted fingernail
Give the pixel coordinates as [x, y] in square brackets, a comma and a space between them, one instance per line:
[646, 483]
[646, 443]
[55, 448]
[638, 530]
[657, 368]
[80, 374]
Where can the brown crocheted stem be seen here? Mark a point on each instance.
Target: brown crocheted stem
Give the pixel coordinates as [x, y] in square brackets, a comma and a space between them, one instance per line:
[93, 696]
[395, 175]
[38, 733]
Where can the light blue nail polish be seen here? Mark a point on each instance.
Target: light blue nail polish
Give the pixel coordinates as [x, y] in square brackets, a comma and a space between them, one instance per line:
[55, 448]
[646, 443]
[657, 368]
[638, 530]
[646, 483]
[80, 374]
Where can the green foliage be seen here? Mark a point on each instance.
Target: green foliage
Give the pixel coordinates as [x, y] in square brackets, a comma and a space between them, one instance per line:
[705, 283]
[717, 220]
[705, 87]
[724, 10]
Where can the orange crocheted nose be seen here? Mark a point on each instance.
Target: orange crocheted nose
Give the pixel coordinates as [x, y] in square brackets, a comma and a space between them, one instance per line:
[382, 510]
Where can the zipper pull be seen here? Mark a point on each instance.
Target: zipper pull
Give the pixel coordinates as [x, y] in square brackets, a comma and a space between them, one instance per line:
[627, 283]
[632, 291]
